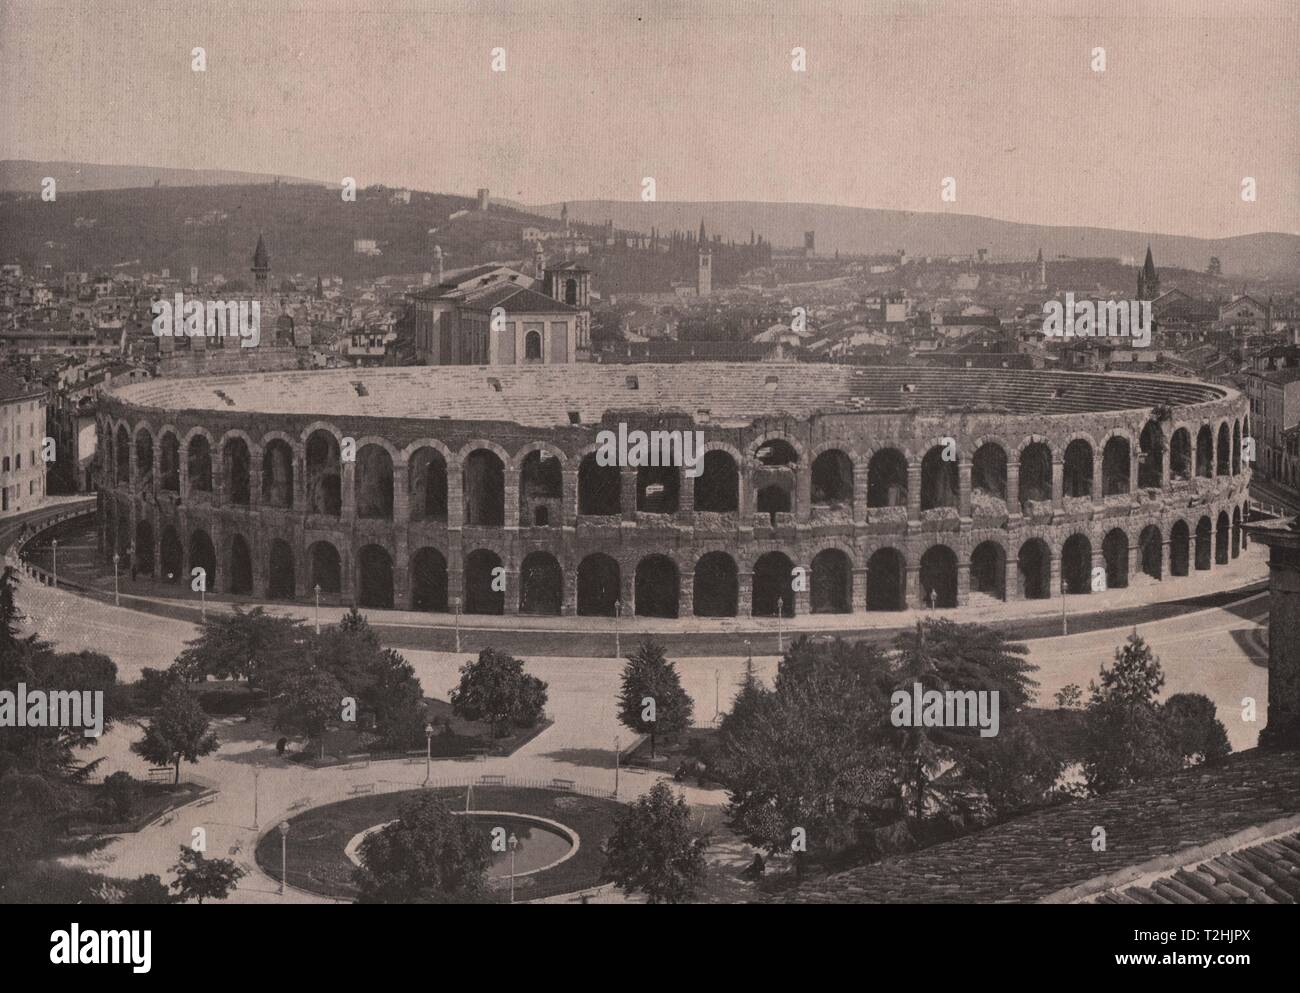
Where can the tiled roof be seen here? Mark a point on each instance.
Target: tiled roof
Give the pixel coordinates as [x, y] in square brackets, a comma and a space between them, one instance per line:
[1268, 872]
[515, 299]
[1049, 854]
[13, 388]
[544, 395]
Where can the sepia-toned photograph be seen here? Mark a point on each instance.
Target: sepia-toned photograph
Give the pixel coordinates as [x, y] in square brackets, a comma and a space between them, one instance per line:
[560, 452]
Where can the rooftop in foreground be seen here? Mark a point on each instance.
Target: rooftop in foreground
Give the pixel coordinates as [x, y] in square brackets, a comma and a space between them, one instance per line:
[547, 396]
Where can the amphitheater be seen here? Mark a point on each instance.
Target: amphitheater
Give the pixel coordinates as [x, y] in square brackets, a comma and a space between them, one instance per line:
[825, 488]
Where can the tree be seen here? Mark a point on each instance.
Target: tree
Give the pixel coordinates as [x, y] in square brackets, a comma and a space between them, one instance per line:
[241, 644]
[494, 688]
[310, 701]
[427, 855]
[178, 731]
[199, 878]
[1195, 732]
[654, 850]
[652, 700]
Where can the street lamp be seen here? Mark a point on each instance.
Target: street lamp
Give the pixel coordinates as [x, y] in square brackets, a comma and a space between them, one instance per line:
[514, 844]
[618, 748]
[1065, 626]
[780, 633]
[54, 549]
[458, 624]
[428, 751]
[717, 694]
[318, 608]
[284, 853]
[257, 771]
[117, 601]
[618, 611]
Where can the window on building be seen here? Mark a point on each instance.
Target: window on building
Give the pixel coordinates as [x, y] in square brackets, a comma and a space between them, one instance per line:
[533, 346]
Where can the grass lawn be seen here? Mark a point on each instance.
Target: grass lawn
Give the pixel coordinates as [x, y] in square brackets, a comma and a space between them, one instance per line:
[693, 744]
[154, 800]
[317, 837]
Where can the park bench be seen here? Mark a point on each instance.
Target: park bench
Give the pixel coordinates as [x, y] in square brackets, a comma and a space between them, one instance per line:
[160, 774]
[491, 780]
[360, 788]
[300, 803]
[205, 801]
[563, 784]
[363, 764]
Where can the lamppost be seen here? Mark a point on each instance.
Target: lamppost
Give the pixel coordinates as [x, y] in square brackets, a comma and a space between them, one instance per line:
[318, 608]
[428, 751]
[617, 752]
[54, 550]
[458, 624]
[256, 773]
[749, 652]
[780, 633]
[717, 695]
[203, 598]
[284, 853]
[514, 844]
[117, 601]
[618, 611]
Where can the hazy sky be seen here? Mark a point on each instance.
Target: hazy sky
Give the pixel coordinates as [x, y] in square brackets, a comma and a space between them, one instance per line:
[700, 95]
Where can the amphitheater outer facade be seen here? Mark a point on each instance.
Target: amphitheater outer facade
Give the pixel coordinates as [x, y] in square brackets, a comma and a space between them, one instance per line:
[824, 488]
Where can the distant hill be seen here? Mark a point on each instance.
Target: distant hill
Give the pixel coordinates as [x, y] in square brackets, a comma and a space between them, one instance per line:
[24, 176]
[867, 231]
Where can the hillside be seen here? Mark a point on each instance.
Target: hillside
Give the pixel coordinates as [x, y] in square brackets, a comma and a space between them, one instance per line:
[25, 176]
[861, 230]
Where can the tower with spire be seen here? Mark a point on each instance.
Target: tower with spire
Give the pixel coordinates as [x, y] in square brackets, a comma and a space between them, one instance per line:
[1148, 287]
[261, 265]
[1042, 271]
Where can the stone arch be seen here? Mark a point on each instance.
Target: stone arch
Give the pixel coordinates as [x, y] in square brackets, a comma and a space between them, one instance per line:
[541, 488]
[484, 483]
[1116, 463]
[1151, 456]
[1222, 539]
[717, 488]
[1236, 448]
[1114, 556]
[940, 485]
[1204, 543]
[144, 547]
[1205, 452]
[324, 467]
[1077, 468]
[541, 584]
[832, 479]
[326, 567]
[1034, 569]
[939, 577]
[774, 499]
[237, 461]
[280, 577]
[143, 443]
[198, 461]
[988, 569]
[887, 479]
[1076, 563]
[169, 461]
[774, 468]
[599, 585]
[1180, 540]
[277, 473]
[775, 449]
[717, 585]
[600, 488]
[374, 577]
[203, 556]
[1223, 452]
[1181, 463]
[1035, 461]
[831, 586]
[429, 581]
[427, 483]
[241, 566]
[1151, 551]
[171, 555]
[121, 456]
[373, 481]
[886, 580]
[773, 589]
[657, 587]
[988, 472]
[481, 567]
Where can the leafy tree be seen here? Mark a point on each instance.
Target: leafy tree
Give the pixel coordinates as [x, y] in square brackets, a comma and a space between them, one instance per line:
[310, 702]
[654, 850]
[1136, 676]
[1195, 732]
[121, 792]
[1069, 697]
[242, 645]
[494, 688]
[427, 855]
[650, 676]
[199, 878]
[1126, 737]
[178, 731]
